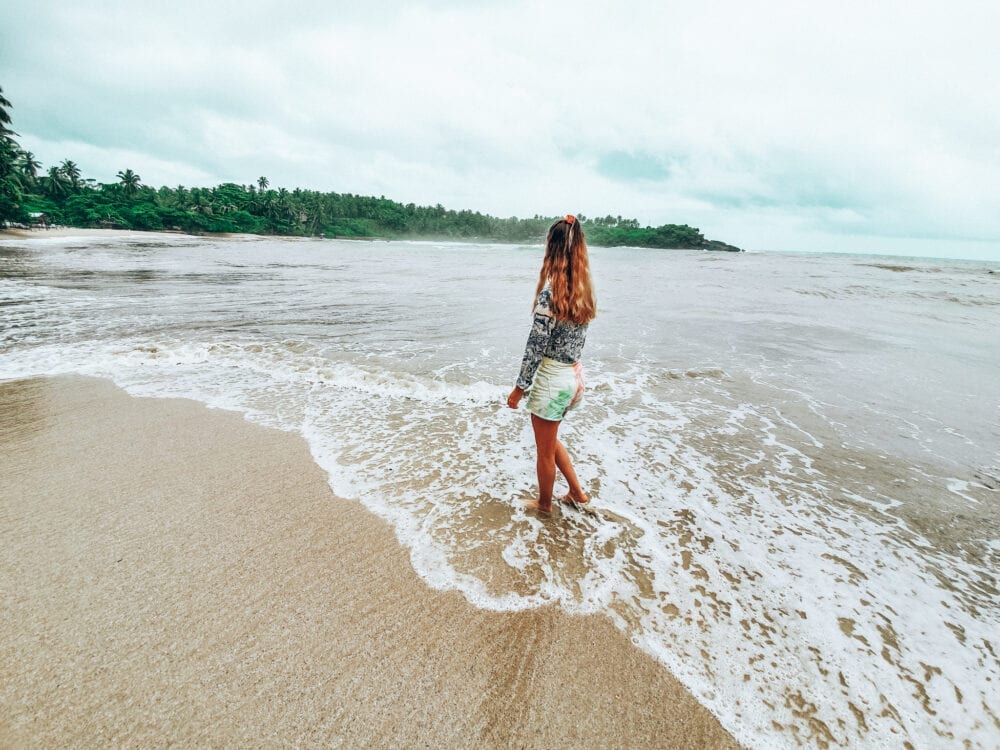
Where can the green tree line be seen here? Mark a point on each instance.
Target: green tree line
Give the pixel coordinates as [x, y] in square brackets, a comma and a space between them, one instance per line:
[64, 196]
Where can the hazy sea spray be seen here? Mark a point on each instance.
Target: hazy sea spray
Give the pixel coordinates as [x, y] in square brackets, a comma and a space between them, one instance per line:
[791, 455]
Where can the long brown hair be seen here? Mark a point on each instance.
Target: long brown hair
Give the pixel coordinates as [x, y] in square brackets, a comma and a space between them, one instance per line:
[567, 269]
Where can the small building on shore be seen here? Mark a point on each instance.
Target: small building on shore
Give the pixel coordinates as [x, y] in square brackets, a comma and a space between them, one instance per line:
[39, 219]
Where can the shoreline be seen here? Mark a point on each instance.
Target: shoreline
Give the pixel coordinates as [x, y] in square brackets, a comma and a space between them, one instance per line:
[90, 232]
[61, 231]
[179, 575]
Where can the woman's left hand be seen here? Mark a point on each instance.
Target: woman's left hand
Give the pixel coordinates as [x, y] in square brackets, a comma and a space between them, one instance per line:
[515, 398]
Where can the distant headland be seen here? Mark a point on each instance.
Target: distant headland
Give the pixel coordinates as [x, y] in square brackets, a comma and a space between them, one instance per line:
[31, 196]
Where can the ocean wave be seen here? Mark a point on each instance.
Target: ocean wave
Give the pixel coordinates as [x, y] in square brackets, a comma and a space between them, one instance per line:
[751, 526]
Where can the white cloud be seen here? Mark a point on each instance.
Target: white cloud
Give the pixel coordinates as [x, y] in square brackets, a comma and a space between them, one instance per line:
[783, 125]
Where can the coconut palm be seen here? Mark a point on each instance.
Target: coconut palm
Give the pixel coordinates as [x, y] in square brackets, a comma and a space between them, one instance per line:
[129, 181]
[316, 213]
[11, 179]
[285, 206]
[55, 183]
[262, 183]
[29, 165]
[71, 171]
[5, 104]
[201, 202]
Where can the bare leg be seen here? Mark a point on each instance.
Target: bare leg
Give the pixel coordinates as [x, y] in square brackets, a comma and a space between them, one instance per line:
[546, 440]
[576, 493]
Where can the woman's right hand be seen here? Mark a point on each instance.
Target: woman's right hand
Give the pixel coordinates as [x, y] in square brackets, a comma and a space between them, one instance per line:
[515, 397]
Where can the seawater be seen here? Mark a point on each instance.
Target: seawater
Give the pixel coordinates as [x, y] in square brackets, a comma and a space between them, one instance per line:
[793, 459]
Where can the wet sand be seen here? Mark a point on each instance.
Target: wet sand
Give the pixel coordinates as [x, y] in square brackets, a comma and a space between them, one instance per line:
[173, 574]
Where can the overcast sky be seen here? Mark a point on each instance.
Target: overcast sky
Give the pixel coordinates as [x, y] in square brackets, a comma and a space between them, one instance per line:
[851, 126]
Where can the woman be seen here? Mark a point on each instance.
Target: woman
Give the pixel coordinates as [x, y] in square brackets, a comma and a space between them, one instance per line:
[550, 371]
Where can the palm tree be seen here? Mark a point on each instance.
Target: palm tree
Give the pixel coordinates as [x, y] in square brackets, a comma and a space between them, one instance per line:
[30, 165]
[170, 197]
[5, 104]
[72, 172]
[288, 211]
[317, 213]
[201, 203]
[262, 183]
[129, 181]
[55, 183]
[10, 175]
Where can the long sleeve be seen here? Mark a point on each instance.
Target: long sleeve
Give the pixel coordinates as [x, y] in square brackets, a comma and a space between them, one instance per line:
[541, 328]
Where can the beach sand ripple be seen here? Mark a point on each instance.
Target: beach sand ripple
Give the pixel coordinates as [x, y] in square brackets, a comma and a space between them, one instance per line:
[175, 575]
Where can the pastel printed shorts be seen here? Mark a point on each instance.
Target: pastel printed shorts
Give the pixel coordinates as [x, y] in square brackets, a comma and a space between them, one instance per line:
[557, 388]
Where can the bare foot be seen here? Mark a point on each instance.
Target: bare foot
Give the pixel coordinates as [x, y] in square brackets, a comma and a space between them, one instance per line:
[536, 505]
[570, 499]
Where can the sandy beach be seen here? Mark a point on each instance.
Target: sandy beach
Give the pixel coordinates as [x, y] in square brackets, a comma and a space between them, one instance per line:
[56, 232]
[92, 233]
[175, 575]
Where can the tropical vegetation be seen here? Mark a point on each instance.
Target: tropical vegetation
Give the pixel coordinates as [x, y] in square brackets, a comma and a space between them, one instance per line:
[61, 195]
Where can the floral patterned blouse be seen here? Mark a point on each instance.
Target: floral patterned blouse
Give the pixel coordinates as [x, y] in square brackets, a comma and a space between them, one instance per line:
[552, 337]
